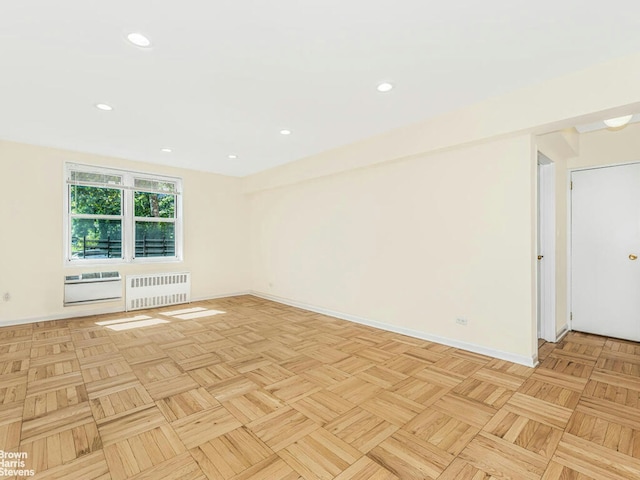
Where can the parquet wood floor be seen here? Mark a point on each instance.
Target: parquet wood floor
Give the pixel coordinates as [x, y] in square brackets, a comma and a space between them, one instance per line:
[246, 389]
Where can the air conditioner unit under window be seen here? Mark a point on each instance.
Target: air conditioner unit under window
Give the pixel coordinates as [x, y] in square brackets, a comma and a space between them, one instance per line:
[92, 287]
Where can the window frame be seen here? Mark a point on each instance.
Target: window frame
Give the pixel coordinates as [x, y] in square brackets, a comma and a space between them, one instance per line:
[129, 219]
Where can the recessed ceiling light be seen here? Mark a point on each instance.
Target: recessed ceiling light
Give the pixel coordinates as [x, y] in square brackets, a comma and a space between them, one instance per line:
[165, 150]
[104, 106]
[139, 40]
[618, 121]
[233, 157]
[385, 87]
[285, 132]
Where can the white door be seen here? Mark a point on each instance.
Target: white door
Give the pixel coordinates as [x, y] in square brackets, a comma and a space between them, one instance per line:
[605, 242]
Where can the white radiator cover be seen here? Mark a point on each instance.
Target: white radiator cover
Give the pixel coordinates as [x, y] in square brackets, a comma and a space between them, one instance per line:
[157, 290]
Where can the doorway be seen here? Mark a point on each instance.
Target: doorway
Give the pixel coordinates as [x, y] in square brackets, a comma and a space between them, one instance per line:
[546, 257]
[605, 246]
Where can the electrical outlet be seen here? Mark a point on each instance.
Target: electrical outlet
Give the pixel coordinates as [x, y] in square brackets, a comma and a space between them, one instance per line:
[6, 297]
[461, 321]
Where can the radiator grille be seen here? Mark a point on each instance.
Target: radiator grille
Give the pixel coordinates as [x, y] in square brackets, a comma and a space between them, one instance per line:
[157, 290]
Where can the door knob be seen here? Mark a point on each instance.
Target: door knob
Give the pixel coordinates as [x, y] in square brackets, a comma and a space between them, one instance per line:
[540, 257]
[632, 256]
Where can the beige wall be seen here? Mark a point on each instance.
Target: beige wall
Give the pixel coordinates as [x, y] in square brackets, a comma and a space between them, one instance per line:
[412, 244]
[31, 235]
[608, 147]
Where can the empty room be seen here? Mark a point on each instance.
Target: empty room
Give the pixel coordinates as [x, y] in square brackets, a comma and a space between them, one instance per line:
[319, 240]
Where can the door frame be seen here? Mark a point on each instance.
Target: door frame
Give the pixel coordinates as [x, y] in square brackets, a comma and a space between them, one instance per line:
[546, 279]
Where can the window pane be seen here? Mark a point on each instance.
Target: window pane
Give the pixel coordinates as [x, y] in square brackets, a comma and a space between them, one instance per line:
[95, 200]
[156, 205]
[154, 185]
[155, 239]
[91, 177]
[96, 238]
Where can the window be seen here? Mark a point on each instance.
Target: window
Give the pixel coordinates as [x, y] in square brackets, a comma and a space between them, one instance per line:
[119, 216]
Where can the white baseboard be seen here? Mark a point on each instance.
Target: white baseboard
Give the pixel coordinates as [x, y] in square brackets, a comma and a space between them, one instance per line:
[63, 316]
[561, 334]
[224, 295]
[510, 357]
[97, 311]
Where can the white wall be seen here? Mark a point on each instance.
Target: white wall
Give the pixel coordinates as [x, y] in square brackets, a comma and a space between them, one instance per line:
[413, 244]
[31, 233]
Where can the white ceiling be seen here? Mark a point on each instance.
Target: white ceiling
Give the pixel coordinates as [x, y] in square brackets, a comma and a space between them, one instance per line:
[225, 76]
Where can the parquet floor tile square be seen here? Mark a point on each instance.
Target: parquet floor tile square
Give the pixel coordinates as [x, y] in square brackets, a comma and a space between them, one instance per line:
[138, 453]
[393, 408]
[555, 471]
[120, 400]
[353, 365]
[559, 364]
[200, 427]
[325, 375]
[87, 467]
[442, 431]
[114, 429]
[381, 376]
[502, 459]
[361, 429]
[39, 349]
[13, 388]
[232, 387]
[212, 375]
[272, 468]
[419, 391]
[252, 405]
[366, 469]
[293, 388]
[322, 406]
[483, 391]
[614, 387]
[157, 369]
[186, 403]
[10, 426]
[355, 390]
[407, 456]
[65, 445]
[539, 410]
[105, 370]
[524, 432]
[39, 404]
[282, 427]
[406, 364]
[55, 422]
[319, 455]
[607, 424]
[551, 393]
[230, 454]
[268, 374]
[180, 467]
[594, 460]
[465, 409]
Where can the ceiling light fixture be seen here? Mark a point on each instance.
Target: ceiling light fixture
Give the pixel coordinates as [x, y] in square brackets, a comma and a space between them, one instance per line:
[139, 40]
[233, 157]
[285, 132]
[385, 87]
[618, 121]
[166, 150]
[104, 106]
